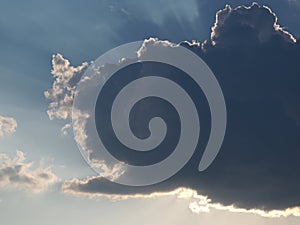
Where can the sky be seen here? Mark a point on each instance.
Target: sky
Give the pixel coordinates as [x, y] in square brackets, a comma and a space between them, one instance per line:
[46, 45]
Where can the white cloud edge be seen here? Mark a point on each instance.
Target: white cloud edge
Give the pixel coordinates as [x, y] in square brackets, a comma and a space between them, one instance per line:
[197, 203]
[204, 204]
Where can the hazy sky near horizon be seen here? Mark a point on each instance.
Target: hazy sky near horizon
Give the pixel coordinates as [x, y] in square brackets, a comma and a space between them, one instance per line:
[30, 33]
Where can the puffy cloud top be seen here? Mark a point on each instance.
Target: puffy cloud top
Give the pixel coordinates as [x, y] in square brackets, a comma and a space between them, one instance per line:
[62, 91]
[244, 25]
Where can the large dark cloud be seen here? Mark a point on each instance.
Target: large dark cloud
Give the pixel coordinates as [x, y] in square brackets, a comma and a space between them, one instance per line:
[257, 65]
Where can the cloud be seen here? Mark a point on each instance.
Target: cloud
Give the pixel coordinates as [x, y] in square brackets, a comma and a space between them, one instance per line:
[72, 187]
[62, 91]
[246, 22]
[8, 126]
[16, 173]
[204, 204]
[197, 203]
[256, 63]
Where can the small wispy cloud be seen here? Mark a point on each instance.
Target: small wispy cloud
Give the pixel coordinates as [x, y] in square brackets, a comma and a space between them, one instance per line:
[8, 126]
[16, 173]
[197, 203]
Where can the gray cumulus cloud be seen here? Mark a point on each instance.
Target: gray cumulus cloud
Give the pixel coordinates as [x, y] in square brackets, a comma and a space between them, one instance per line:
[17, 173]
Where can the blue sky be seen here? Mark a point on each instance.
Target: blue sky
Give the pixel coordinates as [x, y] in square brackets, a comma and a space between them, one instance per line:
[30, 33]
